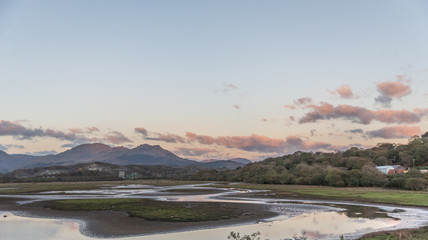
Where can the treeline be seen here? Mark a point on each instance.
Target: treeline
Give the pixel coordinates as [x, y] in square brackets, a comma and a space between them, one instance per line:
[352, 168]
[97, 172]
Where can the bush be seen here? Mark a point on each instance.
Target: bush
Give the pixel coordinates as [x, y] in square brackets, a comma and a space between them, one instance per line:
[416, 184]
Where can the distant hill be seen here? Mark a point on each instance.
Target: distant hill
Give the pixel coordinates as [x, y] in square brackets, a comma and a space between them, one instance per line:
[237, 160]
[89, 153]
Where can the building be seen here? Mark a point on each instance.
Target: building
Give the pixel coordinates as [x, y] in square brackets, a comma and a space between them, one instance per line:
[391, 169]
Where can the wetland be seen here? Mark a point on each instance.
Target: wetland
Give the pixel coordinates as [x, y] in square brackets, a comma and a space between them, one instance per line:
[162, 210]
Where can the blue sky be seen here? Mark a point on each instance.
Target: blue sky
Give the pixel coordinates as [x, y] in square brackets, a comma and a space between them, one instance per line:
[229, 72]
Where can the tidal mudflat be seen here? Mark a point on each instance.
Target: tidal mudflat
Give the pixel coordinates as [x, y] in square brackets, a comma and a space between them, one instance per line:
[124, 211]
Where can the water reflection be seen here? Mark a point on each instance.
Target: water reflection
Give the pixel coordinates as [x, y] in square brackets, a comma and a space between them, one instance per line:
[318, 219]
[319, 225]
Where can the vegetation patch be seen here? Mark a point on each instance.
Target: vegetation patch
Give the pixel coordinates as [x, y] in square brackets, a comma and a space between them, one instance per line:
[376, 195]
[152, 210]
[415, 234]
[24, 188]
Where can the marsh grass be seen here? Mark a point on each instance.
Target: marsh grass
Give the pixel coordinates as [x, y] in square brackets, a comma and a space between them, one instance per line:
[151, 209]
[24, 188]
[376, 195]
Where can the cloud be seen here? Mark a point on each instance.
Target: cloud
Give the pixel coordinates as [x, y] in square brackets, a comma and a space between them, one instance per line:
[153, 136]
[257, 143]
[6, 147]
[236, 106]
[247, 143]
[141, 131]
[194, 152]
[384, 101]
[361, 115]
[344, 91]
[395, 132]
[75, 136]
[299, 103]
[169, 137]
[358, 130]
[394, 89]
[302, 101]
[231, 86]
[390, 90]
[84, 130]
[228, 87]
[18, 131]
[115, 137]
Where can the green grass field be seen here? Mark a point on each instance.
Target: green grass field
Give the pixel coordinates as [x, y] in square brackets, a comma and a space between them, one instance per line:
[152, 210]
[375, 195]
[410, 234]
[24, 188]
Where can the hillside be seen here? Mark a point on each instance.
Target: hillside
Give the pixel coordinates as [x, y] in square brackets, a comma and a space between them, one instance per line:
[89, 153]
[354, 167]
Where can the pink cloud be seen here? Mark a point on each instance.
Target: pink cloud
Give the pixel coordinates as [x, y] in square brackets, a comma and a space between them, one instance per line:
[290, 106]
[394, 89]
[344, 91]
[358, 114]
[236, 106]
[84, 130]
[248, 143]
[115, 137]
[169, 137]
[259, 143]
[395, 132]
[299, 103]
[303, 101]
[390, 90]
[194, 152]
[153, 136]
[141, 131]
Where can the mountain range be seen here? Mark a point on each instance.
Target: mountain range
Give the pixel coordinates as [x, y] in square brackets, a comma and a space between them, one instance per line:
[96, 152]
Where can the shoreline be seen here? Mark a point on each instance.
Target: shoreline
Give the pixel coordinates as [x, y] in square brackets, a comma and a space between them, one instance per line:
[113, 224]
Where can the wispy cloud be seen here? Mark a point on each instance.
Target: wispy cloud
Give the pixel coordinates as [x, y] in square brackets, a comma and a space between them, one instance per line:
[193, 152]
[358, 114]
[141, 131]
[16, 130]
[116, 137]
[84, 130]
[227, 87]
[358, 130]
[395, 132]
[154, 136]
[390, 90]
[236, 106]
[300, 102]
[344, 91]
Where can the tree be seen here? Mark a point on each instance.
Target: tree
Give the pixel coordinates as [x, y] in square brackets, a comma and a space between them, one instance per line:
[237, 236]
[371, 177]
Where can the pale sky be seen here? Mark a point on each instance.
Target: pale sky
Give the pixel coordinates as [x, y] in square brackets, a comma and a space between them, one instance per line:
[212, 79]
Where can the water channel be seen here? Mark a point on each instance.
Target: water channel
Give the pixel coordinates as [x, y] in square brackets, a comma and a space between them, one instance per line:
[312, 218]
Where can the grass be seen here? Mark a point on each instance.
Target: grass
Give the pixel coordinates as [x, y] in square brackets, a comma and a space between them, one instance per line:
[412, 234]
[375, 195]
[25, 188]
[152, 210]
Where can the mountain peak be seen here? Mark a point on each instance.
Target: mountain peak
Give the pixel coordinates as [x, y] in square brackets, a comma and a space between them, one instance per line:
[91, 147]
[147, 147]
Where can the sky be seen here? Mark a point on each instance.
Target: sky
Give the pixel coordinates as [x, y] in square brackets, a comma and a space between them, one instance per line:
[212, 79]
